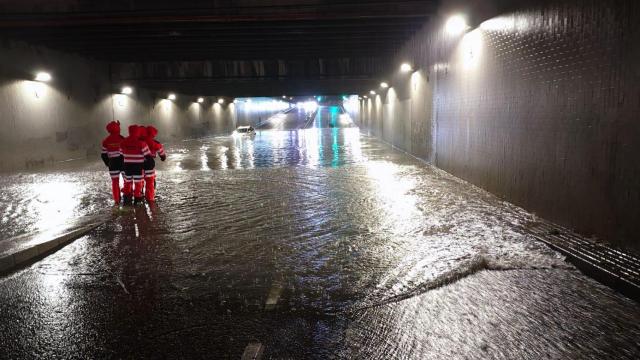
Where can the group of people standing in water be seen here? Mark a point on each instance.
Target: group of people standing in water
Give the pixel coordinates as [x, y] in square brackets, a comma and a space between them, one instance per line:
[133, 157]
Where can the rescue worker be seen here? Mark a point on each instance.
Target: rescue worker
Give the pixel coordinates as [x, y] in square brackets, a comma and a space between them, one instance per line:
[135, 153]
[143, 138]
[112, 157]
[156, 149]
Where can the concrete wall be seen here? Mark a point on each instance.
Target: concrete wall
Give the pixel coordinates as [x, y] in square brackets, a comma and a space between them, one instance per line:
[42, 123]
[537, 104]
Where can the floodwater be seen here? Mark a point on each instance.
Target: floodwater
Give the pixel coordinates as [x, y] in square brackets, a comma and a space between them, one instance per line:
[309, 238]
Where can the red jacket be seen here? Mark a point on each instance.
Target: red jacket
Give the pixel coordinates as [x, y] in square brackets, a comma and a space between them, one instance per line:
[134, 149]
[155, 147]
[111, 144]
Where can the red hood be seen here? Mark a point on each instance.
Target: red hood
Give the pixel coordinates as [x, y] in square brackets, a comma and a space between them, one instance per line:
[134, 131]
[143, 133]
[114, 127]
[151, 132]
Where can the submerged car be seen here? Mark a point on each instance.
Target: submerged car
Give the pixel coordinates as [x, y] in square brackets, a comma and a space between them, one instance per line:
[245, 130]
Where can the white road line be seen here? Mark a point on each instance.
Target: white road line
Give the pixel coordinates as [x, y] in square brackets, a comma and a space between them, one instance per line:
[274, 295]
[253, 351]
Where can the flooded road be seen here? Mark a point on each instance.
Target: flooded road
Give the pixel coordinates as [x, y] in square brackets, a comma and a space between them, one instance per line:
[315, 241]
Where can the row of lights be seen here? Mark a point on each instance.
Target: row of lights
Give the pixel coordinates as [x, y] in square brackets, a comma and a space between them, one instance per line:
[126, 90]
[405, 68]
[454, 26]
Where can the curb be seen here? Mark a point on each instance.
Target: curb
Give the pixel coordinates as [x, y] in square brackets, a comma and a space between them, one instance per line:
[19, 258]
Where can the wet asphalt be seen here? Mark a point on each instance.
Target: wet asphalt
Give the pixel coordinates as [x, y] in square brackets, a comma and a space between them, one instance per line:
[315, 241]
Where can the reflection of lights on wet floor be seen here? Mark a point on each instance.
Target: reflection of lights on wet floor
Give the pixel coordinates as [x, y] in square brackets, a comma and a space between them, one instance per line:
[54, 202]
[345, 120]
[393, 191]
[311, 146]
[352, 143]
[249, 151]
[277, 119]
[223, 157]
[54, 289]
[204, 158]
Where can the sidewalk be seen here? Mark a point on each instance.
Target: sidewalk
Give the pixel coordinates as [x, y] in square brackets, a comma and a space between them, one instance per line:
[21, 250]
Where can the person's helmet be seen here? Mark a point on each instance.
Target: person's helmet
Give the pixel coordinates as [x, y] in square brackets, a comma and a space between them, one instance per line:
[151, 132]
[113, 127]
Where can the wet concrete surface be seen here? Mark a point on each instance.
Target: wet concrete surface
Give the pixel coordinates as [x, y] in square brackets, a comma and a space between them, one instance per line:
[367, 252]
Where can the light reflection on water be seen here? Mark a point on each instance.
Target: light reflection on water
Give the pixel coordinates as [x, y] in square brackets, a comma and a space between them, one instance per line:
[54, 200]
[307, 147]
[341, 220]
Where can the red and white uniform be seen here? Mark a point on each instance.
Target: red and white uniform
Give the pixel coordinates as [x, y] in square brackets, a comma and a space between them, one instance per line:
[134, 151]
[156, 149]
[111, 145]
[112, 157]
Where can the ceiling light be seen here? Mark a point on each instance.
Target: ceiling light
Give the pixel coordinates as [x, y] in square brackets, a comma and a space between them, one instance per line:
[200, 100]
[405, 67]
[127, 90]
[384, 85]
[456, 25]
[221, 101]
[372, 92]
[43, 76]
[171, 97]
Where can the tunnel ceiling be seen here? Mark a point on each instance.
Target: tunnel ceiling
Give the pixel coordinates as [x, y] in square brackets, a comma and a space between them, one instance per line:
[227, 47]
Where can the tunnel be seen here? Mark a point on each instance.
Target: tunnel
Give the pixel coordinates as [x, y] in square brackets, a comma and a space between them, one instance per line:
[315, 179]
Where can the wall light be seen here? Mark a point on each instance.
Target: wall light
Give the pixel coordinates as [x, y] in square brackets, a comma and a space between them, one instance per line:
[171, 97]
[127, 90]
[372, 92]
[43, 76]
[384, 85]
[221, 101]
[405, 67]
[456, 25]
[366, 97]
[200, 100]
[284, 96]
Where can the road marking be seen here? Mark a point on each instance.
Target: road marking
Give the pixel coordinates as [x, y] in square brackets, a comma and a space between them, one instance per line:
[253, 351]
[274, 295]
[122, 285]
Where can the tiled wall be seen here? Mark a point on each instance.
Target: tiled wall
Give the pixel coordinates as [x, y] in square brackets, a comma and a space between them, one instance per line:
[540, 106]
[43, 123]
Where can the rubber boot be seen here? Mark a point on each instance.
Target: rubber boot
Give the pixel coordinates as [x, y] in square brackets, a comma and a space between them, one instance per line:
[137, 191]
[127, 192]
[115, 190]
[149, 189]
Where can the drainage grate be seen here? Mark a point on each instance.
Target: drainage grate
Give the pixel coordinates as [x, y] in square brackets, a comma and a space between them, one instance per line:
[619, 269]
